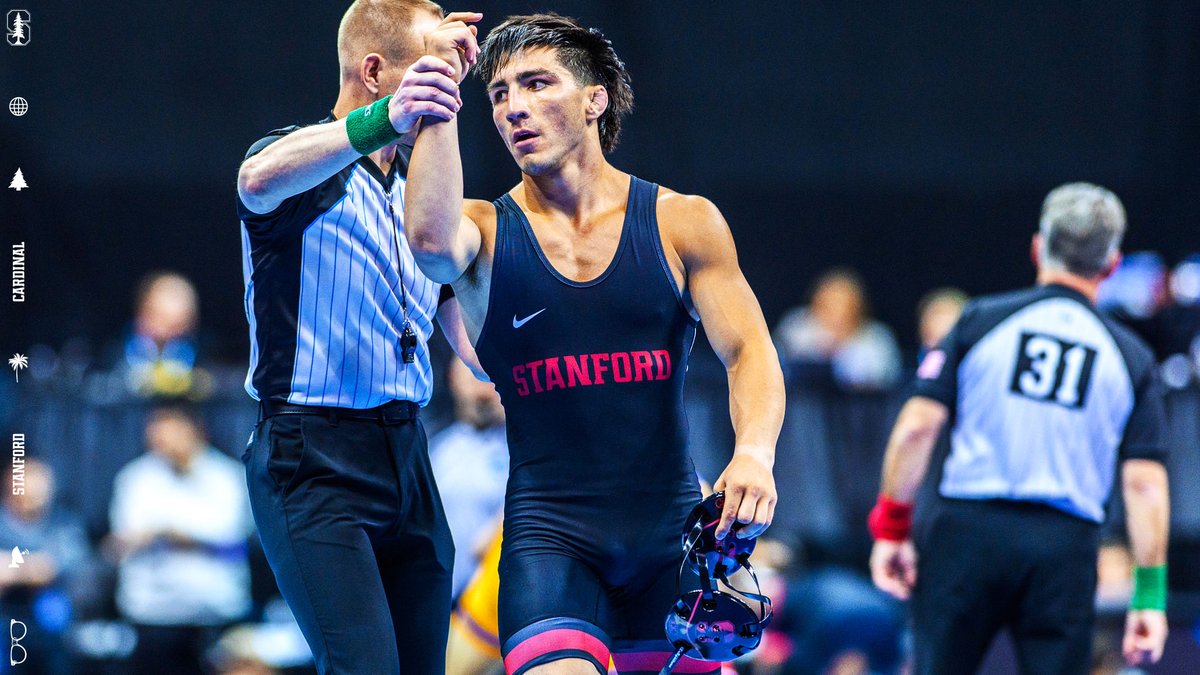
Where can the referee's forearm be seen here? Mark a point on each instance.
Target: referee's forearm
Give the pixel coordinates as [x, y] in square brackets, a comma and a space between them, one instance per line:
[1147, 510]
[295, 163]
[909, 447]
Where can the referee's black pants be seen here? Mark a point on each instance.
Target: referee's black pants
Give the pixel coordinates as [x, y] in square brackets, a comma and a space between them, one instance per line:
[353, 527]
[986, 565]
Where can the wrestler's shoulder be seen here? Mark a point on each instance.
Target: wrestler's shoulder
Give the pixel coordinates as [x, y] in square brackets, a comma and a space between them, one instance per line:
[691, 216]
[675, 205]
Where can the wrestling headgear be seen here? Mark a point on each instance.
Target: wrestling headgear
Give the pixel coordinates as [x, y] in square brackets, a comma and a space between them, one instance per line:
[709, 624]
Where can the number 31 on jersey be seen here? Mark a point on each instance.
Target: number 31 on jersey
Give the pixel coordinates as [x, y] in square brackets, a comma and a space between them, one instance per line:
[1053, 370]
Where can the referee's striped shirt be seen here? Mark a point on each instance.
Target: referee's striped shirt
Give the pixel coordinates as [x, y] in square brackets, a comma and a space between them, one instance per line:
[1047, 396]
[322, 292]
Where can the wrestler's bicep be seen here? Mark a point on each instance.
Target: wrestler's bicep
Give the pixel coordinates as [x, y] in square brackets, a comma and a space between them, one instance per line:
[715, 285]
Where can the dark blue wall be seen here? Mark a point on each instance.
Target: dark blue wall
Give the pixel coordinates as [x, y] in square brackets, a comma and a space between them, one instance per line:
[913, 141]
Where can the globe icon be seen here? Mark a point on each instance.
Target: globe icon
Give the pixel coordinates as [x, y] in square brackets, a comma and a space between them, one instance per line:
[18, 106]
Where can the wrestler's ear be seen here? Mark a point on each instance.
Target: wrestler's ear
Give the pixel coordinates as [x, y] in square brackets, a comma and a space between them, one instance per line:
[368, 72]
[597, 102]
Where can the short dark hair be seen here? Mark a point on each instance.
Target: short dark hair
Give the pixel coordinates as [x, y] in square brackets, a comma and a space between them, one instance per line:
[176, 409]
[584, 51]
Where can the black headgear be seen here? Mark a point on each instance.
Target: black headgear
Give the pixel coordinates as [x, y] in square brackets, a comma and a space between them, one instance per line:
[706, 623]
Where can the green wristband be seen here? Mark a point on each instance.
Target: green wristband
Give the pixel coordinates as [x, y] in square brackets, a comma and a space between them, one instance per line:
[370, 128]
[1149, 588]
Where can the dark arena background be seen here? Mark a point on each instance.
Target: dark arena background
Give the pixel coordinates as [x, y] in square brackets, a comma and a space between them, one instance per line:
[906, 145]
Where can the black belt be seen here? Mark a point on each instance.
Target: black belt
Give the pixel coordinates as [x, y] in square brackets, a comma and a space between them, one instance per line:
[392, 412]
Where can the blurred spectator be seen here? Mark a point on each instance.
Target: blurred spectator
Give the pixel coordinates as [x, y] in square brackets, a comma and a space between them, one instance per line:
[835, 618]
[828, 620]
[937, 312]
[246, 667]
[159, 356]
[1185, 282]
[1181, 319]
[1138, 287]
[1114, 586]
[180, 523]
[835, 336]
[41, 577]
[473, 645]
[275, 646]
[1135, 294]
[470, 463]
[1162, 306]
[1114, 577]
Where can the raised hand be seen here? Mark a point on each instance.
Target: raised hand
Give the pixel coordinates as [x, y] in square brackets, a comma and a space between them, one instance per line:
[455, 41]
[428, 89]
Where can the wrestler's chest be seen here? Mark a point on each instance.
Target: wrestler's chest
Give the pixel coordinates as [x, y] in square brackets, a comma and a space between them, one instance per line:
[579, 253]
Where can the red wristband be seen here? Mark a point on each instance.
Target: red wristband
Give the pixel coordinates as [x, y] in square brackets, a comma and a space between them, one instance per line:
[890, 520]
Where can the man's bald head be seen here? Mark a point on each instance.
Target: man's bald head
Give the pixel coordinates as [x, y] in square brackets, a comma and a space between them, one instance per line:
[383, 27]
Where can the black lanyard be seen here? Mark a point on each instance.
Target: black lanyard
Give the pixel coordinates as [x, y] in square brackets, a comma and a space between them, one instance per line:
[408, 338]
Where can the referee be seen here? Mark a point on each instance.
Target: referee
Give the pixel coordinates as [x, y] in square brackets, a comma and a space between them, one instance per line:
[338, 471]
[1044, 397]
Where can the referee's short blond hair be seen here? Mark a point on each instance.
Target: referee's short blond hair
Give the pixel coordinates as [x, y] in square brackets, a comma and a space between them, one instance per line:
[1081, 227]
[380, 26]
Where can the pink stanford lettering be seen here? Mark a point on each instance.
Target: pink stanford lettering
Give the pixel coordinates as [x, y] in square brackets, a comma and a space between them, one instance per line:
[585, 370]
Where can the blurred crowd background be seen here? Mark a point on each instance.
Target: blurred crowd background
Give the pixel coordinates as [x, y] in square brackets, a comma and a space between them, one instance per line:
[879, 164]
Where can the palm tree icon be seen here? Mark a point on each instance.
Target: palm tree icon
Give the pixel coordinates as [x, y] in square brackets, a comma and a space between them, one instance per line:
[17, 362]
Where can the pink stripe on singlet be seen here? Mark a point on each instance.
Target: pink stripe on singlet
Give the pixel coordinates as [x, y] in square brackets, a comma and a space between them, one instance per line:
[553, 641]
[654, 661]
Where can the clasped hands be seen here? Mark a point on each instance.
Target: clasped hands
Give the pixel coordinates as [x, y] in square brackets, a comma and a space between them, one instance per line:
[430, 86]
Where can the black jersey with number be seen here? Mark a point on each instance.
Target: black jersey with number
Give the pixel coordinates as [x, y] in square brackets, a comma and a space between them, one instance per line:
[1047, 396]
[591, 376]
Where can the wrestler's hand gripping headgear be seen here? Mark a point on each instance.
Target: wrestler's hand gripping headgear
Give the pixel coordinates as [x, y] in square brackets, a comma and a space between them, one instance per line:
[709, 624]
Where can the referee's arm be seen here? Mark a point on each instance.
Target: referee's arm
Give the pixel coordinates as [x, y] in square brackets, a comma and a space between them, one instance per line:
[893, 558]
[1147, 510]
[920, 423]
[303, 160]
[907, 457]
[1147, 513]
[1143, 453]
[297, 162]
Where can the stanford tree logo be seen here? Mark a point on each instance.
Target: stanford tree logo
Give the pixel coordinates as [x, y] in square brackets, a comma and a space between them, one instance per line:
[18, 181]
[18, 27]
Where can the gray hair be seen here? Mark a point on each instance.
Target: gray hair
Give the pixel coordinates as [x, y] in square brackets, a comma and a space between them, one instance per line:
[1081, 227]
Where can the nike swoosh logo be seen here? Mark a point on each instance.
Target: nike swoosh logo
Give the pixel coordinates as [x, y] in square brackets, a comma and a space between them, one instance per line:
[517, 323]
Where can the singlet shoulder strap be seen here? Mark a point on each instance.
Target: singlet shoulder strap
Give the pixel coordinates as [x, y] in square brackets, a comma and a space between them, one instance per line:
[515, 245]
[504, 207]
[643, 202]
[508, 223]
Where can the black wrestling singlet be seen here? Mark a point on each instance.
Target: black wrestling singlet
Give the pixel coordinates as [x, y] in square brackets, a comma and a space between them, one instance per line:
[591, 376]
